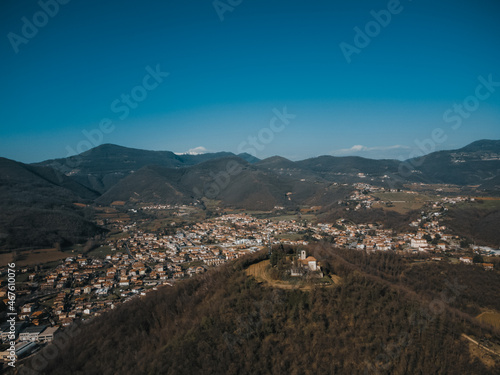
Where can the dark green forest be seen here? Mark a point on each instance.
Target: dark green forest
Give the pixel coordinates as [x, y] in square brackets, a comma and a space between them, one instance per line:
[389, 315]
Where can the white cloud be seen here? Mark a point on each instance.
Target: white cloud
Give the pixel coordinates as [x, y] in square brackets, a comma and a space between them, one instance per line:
[380, 152]
[194, 151]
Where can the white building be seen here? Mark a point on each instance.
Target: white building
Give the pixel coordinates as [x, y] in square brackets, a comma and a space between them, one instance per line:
[420, 244]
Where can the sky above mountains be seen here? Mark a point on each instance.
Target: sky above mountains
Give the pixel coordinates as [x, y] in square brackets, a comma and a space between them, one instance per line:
[380, 79]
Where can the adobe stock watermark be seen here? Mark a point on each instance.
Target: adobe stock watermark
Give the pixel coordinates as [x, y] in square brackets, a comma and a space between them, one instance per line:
[252, 146]
[364, 36]
[266, 135]
[37, 364]
[461, 111]
[224, 6]
[122, 107]
[454, 116]
[30, 27]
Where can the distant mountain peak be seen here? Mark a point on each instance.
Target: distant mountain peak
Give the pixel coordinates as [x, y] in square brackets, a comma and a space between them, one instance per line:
[107, 147]
[485, 145]
[110, 148]
[249, 158]
[277, 158]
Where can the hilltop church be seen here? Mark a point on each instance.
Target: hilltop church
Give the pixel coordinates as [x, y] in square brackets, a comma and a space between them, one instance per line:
[305, 264]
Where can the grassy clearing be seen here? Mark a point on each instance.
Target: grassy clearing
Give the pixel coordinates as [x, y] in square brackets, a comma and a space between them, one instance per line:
[260, 272]
[289, 236]
[336, 279]
[402, 196]
[118, 236]
[402, 202]
[257, 213]
[400, 207]
[490, 317]
[488, 203]
[6, 258]
[158, 224]
[101, 252]
[34, 257]
[296, 217]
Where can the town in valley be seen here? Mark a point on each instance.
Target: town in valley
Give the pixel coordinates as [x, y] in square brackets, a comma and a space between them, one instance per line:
[151, 246]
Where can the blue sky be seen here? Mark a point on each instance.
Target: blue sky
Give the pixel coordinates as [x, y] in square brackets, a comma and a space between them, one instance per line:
[228, 74]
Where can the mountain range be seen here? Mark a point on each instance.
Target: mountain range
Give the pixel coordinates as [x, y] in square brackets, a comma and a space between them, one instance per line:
[110, 173]
[110, 169]
[102, 167]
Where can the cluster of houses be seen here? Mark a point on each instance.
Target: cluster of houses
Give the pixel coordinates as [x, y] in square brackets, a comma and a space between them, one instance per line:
[371, 237]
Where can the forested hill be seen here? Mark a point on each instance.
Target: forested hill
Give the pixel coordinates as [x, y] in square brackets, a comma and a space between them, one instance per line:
[225, 322]
[37, 207]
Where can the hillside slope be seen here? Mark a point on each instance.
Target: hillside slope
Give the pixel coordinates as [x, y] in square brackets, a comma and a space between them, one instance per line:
[224, 322]
[36, 207]
[475, 164]
[244, 186]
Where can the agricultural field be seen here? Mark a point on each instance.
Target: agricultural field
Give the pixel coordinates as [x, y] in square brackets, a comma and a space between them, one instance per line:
[488, 203]
[5, 258]
[276, 215]
[402, 202]
[435, 188]
[101, 252]
[33, 257]
[111, 214]
[296, 217]
[289, 236]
